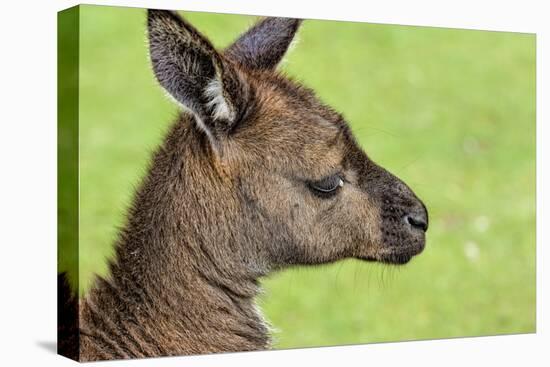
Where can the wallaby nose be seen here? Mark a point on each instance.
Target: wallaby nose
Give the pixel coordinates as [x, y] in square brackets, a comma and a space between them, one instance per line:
[418, 218]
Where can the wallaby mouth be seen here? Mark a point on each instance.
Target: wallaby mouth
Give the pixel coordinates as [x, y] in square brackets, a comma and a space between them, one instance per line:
[402, 255]
[396, 256]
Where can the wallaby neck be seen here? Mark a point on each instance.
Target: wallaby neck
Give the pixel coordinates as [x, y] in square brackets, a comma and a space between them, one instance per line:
[174, 287]
[124, 318]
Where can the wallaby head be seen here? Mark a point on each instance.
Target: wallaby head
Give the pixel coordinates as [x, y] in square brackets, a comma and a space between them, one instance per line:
[291, 178]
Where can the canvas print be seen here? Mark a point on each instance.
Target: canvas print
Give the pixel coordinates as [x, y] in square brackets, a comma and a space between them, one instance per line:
[233, 183]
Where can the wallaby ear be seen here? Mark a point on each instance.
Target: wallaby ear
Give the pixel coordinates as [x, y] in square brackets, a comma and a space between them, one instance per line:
[191, 70]
[264, 45]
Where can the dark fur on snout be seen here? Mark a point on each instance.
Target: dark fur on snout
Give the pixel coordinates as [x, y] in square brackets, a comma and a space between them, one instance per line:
[254, 176]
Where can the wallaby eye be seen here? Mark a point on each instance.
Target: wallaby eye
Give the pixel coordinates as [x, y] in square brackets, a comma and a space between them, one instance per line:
[327, 186]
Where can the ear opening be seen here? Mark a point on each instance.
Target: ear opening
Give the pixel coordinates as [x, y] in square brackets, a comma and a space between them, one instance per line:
[190, 69]
[263, 46]
[217, 103]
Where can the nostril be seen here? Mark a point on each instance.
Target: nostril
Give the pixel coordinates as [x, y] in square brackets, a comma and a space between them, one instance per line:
[417, 221]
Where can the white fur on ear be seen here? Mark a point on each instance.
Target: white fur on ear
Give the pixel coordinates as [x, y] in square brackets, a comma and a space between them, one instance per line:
[217, 102]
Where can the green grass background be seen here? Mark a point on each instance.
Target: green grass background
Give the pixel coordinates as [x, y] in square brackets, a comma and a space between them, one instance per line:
[451, 112]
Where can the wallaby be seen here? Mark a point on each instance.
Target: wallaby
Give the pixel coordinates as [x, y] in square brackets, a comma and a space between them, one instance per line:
[256, 175]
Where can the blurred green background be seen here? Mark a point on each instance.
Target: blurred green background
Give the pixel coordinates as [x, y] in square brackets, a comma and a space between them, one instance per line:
[451, 112]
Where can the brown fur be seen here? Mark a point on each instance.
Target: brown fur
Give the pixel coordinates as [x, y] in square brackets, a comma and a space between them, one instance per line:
[230, 197]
